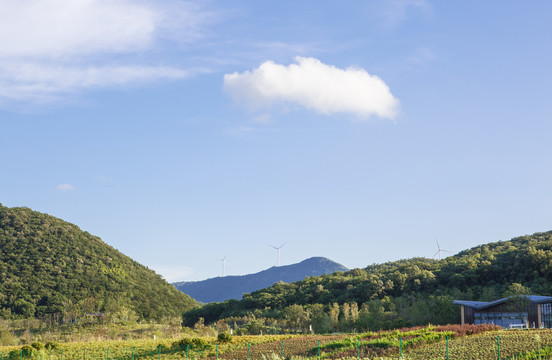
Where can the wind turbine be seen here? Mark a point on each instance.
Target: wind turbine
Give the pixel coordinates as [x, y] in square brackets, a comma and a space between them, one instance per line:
[439, 250]
[223, 264]
[278, 248]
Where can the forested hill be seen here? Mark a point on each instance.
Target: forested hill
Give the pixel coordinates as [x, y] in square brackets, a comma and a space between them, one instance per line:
[233, 287]
[413, 291]
[49, 266]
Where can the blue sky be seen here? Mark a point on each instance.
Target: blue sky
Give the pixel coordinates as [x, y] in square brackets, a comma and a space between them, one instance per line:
[180, 132]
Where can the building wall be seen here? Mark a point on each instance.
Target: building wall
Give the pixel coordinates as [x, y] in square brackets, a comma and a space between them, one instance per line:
[531, 309]
[469, 315]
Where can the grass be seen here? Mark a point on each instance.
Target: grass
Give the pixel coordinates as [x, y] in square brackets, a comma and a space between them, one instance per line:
[418, 343]
[512, 344]
[23, 332]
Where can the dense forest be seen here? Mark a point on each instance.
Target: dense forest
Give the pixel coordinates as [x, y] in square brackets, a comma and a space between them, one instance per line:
[409, 292]
[51, 268]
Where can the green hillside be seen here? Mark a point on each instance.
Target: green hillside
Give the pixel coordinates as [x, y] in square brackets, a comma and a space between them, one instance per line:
[49, 267]
[402, 293]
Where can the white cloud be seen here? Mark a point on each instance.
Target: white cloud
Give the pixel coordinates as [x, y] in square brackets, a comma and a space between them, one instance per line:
[43, 83]
[51, 48]
[314, 85]
[65, 187]
[53, 28]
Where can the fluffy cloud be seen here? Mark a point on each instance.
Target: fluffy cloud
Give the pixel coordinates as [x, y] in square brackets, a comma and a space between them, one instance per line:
[314, 85]
[49, 48]
[65, 187]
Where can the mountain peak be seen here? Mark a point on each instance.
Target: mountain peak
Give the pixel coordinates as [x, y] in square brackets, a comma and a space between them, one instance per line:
[233, 287]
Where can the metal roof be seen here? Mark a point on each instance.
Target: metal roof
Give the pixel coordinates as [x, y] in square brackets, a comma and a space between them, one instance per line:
[483, 304]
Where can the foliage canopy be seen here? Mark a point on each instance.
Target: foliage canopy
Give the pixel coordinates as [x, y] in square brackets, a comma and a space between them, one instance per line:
[408, 292]
[51, 267]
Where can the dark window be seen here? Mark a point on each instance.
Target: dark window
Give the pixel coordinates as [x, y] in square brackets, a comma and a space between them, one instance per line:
[501, 319]
[546, 315]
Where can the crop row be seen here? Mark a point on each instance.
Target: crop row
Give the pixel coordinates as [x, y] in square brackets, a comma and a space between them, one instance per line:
[147, 349]
[486, 346]
[292, 346]
[391, 343]
[417, 344]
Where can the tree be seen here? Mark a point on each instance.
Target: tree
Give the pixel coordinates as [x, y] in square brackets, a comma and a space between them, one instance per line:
[24, 308]
[346, 312]
[517, 289]
[517, 298]
[296, 317]
[334, 314]
[354, 312]
[320, 320]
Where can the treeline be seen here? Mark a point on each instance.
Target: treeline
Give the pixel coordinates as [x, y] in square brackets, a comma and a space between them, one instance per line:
[51, 269]
[347, 317]
[406, 292]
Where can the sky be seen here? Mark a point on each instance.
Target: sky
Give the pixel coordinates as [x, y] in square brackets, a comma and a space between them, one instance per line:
[365, 131]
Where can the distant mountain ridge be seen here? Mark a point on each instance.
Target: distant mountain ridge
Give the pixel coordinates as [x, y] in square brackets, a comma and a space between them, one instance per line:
[407, 292]
[233, 287]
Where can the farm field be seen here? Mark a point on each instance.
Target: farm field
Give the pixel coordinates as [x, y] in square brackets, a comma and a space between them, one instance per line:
[139, 349]
[511, 343]
[464, 342]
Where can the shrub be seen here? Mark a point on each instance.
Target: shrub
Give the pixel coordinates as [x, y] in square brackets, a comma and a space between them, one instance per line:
[200, 343]
[50, 345]
[7, 338]
[182, 344]
[14, 354]
[195, 343]
[28, 351]
[37, 345]
[224, 337]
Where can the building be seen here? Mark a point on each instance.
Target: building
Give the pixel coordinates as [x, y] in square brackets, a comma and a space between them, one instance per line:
[518, 311]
